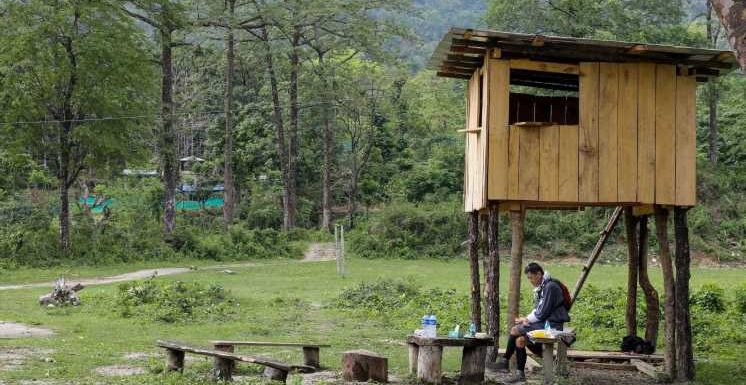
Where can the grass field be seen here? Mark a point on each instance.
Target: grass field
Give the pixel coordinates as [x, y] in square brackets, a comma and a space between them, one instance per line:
[279, 301]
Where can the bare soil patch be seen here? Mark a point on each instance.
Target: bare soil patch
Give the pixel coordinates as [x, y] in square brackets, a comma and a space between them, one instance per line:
[12, 358]
[16, 330]
[119, 370]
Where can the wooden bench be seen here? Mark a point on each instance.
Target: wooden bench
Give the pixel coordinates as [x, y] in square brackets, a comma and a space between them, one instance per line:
[549, 365]
[426, 356]
[310, 351]
[224, 361]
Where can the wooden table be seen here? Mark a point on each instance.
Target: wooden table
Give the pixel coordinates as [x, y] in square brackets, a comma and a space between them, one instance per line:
[426, 355]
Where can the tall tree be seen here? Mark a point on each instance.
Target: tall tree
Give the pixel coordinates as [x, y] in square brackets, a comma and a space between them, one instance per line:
[166, 17]
[733, 16]
[77, 65]
[712, 93]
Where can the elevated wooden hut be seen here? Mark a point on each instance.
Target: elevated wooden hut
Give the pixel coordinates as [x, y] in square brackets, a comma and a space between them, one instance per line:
[557, 122]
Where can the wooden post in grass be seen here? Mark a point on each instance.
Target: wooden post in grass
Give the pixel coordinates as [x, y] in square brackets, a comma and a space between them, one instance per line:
[652, 315]
[684, 353]
[476, 302]
[516, 266]
[630, 224]
[669, 291]
[492, 280]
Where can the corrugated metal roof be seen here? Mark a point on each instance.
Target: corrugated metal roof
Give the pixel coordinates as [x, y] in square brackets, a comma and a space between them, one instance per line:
[462, 51]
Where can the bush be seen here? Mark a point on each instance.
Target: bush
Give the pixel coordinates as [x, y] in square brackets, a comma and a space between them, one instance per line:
[401, 303]
[405, 230]
[740, 302]
[173, 302]
[709, 298]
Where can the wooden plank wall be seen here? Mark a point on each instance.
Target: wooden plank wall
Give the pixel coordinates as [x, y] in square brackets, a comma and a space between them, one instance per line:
[499, 135]
[635, 142]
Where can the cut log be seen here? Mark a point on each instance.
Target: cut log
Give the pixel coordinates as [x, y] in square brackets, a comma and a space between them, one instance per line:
[414, 351]
[650, 370]
[429, 364]
[222, 368]
[274, 374]
[311, 356]
[174, 360]
[685, 370]
[669, 290]
[363, 365]
[472, 365]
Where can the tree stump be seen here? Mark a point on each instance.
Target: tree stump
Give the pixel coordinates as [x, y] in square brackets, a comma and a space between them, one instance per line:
[273, 374]
[363, 365]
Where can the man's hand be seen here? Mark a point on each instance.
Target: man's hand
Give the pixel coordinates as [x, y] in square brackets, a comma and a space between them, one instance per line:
[521, 321]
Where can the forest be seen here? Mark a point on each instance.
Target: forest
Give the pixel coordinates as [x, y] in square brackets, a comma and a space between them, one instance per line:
[169, 129]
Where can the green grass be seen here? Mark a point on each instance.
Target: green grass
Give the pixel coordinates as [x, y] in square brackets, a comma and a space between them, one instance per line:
[280, 301]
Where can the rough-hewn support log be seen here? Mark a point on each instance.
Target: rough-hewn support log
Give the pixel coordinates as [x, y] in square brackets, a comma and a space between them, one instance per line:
[492, 281]
[476, 301]
[174, 360]
[652, 314]
[414, 352]
[429, 364]
[311, 356]
[516, 265]
[222, 369]
[275, 374]
[472, 365]
[669, 291]
[733, 16]
[630, 224]
[684, 353]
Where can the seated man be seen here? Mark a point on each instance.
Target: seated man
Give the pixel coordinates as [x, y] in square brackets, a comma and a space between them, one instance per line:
[549, 305]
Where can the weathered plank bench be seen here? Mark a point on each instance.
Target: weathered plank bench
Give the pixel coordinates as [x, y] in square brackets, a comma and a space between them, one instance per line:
[310, 351]
[224, 361]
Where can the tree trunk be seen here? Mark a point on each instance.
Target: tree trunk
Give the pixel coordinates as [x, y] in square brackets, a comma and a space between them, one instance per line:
[476, 309]
[669, 290]
[279, 125]
[516, 266]
[492, 281]
[63, 177]
[652, 314]
[290, 214]
[733, 16]
[684, 352]
[630, 224]
[169, 161]
[328, 144]
[229, 192]
[712, 93]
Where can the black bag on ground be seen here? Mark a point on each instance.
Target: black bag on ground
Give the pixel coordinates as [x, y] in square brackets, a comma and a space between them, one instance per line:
[635, 344]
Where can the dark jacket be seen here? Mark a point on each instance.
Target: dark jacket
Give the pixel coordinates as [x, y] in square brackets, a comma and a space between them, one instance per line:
[549, 304]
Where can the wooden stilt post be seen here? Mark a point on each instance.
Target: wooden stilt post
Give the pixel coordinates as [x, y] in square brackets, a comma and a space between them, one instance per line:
[596, 252]
[516, 265]
[630, 224]
[669, 290]
[684, 353]
[476, 302]
[492, 281]
[653, 313]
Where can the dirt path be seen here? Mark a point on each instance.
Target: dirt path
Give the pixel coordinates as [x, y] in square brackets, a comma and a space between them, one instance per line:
[317, 252]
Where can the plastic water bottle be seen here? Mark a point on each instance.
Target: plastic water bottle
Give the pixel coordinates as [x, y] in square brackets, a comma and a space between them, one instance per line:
[433, 326]
[425, 325]
[547, 328]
